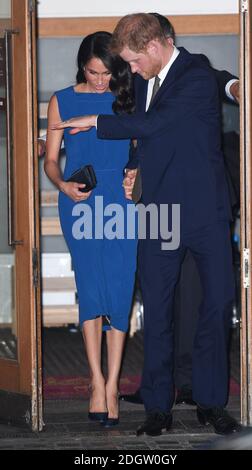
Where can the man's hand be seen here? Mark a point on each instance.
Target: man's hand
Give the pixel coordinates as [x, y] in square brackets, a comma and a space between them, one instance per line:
[78, 124]
[235, 90]
[41, 147]
[128, 182]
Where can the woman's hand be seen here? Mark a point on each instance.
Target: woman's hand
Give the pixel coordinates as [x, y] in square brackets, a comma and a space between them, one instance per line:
[71, 189]
[78, 124]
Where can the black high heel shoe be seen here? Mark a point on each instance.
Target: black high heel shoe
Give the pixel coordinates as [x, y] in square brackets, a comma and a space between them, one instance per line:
[101, 417]
[111, 422]
[96, 415]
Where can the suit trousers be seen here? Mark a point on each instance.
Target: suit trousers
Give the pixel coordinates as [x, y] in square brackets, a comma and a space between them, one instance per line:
[159, 271]
[188, 297]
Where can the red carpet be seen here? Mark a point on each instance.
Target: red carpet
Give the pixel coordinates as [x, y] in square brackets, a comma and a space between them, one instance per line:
[65, 388]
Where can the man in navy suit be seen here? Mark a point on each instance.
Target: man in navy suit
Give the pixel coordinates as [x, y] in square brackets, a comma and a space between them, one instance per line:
[181, 163]
[188, 291]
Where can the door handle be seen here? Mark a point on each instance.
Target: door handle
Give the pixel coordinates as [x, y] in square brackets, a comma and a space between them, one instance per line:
[9, 138]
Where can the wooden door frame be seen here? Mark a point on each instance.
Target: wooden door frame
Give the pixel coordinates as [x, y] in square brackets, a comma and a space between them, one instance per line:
[37, 398]
[246, 208]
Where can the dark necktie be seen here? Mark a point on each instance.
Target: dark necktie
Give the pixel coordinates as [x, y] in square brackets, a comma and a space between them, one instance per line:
[155, 89]
[137, 188]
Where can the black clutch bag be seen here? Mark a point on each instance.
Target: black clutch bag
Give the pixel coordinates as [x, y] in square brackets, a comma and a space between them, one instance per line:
[84, 175]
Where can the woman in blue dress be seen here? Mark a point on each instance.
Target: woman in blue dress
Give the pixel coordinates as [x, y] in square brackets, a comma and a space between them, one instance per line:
[103, 256]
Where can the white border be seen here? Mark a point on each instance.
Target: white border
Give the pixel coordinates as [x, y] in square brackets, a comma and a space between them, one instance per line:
[82, 8]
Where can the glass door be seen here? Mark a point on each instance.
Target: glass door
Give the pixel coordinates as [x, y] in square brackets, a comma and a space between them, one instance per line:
[20, 344]
[8, 326]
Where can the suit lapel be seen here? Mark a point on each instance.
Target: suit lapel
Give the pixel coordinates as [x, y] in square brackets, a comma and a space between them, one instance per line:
[183, 60]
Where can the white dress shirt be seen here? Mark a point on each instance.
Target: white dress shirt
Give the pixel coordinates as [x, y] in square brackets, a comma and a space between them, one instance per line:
[228, 86]
[162, 74]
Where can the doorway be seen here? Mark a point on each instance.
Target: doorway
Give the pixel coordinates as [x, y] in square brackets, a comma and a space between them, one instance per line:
[20, 364]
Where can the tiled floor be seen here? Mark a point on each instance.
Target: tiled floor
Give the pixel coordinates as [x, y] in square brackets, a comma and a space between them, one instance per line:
[66, 422]
[67, 427]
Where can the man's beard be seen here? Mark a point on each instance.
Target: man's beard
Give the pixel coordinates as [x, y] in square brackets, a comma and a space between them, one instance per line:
[152, 72]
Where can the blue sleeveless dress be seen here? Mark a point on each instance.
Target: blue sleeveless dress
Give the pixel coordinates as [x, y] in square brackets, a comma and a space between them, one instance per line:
[95, 230]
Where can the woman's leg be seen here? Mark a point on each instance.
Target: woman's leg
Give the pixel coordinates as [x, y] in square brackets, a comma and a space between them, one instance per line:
[115, 345]
[92, 335]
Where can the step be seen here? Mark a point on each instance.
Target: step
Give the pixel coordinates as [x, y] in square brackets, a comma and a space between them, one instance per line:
[58, 291]
[43, 106]
[56, 265]
[49, 198]
[59, 315]
[58, 284]
[58, 298]
[50, 226]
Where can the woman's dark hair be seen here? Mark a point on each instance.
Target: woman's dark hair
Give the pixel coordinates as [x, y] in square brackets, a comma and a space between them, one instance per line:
[121, 83]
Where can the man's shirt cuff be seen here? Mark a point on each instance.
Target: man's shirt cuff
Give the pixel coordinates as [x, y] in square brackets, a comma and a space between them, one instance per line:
[227, 88]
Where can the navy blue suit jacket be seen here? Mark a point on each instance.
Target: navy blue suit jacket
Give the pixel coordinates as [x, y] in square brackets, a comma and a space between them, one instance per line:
[222, 77]
[179, 142]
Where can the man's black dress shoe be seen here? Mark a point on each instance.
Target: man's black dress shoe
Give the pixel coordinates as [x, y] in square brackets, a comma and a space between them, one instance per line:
[219, 418]
[184, 396]
[133, 398]
[155, 422]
